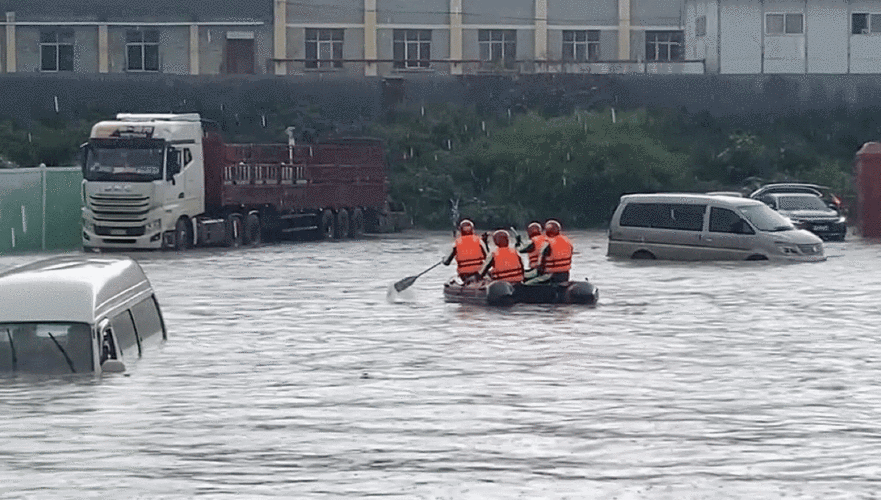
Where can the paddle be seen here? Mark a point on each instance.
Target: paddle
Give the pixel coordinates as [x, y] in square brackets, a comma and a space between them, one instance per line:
[405, 283]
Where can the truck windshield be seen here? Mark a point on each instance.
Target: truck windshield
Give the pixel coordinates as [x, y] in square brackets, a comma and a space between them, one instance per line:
[124, 160]
[54, 348]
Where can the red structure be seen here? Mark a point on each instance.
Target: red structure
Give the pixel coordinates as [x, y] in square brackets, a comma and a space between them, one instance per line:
[867, 169]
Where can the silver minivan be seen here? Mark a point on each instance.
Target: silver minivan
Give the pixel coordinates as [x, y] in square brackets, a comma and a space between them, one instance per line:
[76, 314]
[683, 226]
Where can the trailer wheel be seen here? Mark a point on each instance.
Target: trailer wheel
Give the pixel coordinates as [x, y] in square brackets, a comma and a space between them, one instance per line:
[253, 232]
[182, 237]
[357, 224]
[234, 230]
[342, 224]
[326, 228]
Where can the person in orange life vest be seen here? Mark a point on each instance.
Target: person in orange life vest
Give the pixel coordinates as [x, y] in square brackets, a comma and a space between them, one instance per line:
[555, 259]
[533, 246]
[504, 263]
[469, 251]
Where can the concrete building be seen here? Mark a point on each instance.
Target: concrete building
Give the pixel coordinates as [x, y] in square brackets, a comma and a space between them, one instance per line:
[120, 36]
[451, 37]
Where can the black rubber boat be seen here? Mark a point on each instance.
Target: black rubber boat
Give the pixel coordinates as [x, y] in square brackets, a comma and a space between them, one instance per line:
[503, 293]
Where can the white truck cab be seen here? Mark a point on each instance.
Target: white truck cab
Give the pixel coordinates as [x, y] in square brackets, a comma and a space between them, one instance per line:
[143, 180]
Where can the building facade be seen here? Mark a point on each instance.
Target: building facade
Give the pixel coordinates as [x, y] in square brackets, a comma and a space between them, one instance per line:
[454, 37]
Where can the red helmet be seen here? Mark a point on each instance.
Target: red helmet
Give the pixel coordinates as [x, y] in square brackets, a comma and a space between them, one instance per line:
[500, 238]
[552, 228]
[466, 227]
[533, 229]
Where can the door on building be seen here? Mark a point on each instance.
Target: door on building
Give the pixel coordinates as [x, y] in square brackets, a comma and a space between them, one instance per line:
[240, 56]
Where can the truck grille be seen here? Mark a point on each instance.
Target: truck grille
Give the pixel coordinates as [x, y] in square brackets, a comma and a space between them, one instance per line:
[119, 208]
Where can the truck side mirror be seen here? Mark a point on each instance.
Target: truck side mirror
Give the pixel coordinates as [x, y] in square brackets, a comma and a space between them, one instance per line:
[172, 164]
[83, 157]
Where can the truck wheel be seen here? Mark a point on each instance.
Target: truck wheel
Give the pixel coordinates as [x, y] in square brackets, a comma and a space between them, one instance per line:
[357, 223]
[182, 238]
[326, 228]
[252, 230]
[342, 224]
[234, 230]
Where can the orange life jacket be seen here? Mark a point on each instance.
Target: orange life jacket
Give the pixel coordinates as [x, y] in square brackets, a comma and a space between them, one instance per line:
[560, 258]
[507, 265]
[469, 254]
[538, 241]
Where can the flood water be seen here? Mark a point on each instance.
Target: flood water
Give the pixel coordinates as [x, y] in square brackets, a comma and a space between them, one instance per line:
[290, 372]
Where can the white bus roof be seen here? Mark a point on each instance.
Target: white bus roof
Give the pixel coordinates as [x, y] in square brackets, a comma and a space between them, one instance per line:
[69, 288]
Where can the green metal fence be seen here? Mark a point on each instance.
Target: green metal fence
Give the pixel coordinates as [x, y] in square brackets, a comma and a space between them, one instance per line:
[40, 209]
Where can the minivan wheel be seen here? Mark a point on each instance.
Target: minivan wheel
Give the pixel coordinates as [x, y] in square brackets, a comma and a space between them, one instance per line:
[643, 255]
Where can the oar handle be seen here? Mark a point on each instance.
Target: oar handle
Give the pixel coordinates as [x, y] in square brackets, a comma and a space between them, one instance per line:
[432, 267]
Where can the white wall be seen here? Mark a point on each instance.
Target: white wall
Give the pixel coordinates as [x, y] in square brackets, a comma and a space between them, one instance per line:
[741, 36]
[865, 50]
[827, 26]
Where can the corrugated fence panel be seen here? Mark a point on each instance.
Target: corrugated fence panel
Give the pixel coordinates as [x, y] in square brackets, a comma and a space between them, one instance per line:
[23, 209]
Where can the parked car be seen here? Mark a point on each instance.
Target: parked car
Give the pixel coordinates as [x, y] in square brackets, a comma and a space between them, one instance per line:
[684, 226]
[808, 206]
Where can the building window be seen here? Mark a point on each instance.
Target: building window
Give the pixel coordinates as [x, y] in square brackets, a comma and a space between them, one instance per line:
[324, 48]
[700, 26]
[663, 46]
[863, 23]
[581, 46]
[142, 50]
[56, 51]
[784, 24]
[412, 48]
[498, 46]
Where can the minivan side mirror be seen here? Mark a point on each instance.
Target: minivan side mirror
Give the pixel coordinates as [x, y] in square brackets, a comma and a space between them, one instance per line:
[112, 366]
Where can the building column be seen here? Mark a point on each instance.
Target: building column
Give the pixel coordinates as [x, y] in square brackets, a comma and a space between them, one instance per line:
[624, 30]
[456, 68]
[10, 42]
[541, 31]
[194, 49]
[370, 68]
[280, 37]
[103, 49]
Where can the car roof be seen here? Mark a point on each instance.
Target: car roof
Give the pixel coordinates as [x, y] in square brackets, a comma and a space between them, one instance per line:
[693, 198]
[789, 187]
[69, 288]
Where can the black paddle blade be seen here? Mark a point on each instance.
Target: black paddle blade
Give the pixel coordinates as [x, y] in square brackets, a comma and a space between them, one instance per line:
[405, 283]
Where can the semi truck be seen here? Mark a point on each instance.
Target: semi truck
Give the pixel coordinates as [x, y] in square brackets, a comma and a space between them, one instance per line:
[168, 181]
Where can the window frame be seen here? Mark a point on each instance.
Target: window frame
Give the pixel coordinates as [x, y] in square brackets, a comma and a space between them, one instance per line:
[785, 29]
[410, 42]
[870, 20]
[497, 46]
[319, 40]
[145, 46]
[675, 42]
[584, 46]
[56, 40]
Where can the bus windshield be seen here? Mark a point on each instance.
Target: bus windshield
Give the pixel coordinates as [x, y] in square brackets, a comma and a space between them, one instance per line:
[124, 160]
[54, 348]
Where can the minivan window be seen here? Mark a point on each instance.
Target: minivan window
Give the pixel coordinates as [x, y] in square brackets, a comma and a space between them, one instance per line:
[147, 320]
[125, 332]
[801, 202]
[765, 219]
[680, 216]
[723, 220]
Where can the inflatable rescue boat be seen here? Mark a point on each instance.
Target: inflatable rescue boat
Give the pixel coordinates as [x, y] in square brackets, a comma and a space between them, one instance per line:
[504, 293]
